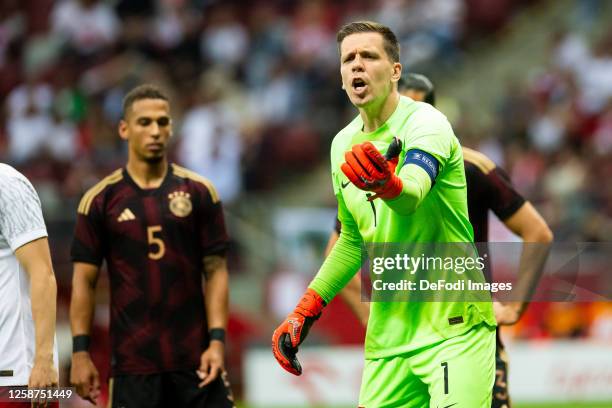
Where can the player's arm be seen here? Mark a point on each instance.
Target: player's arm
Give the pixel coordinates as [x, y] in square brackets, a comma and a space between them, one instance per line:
[216, 291]
[22, 224]
[338, 268]
[524, 220]
[351, 293]
[369, 170]
[82, 303]
[35, 258]
[343, 260]
[213, 242]
[333, 237]
[83, 374]
[416, 183]
[217, 305]
[430, 144]
[87, 256]
[528, 224]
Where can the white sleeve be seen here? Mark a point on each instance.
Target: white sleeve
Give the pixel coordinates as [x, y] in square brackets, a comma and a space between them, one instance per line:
[21, 219]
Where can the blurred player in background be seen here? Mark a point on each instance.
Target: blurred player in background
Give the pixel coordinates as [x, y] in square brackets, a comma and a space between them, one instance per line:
[489, 188]
[28, 291]
[159, 227]
[416, 354]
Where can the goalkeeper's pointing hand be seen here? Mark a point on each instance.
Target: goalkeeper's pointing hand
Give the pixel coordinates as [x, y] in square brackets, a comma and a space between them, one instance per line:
[369, 170]
[292, 332]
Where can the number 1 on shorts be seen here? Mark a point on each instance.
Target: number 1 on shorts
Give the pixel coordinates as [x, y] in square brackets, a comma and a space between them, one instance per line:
[445, 365]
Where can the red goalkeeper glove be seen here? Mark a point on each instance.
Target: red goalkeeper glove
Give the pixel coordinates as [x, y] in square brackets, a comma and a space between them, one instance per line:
[369, 170]
[292, 332]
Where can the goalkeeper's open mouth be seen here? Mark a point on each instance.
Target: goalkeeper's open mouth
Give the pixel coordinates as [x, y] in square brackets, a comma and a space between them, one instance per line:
[359, 86]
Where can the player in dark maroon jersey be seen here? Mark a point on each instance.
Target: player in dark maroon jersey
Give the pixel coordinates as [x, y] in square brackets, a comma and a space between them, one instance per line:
[159, 227]
[488, 188]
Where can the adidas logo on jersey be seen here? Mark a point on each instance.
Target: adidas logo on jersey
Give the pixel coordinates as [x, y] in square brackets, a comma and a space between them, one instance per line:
[126, 215]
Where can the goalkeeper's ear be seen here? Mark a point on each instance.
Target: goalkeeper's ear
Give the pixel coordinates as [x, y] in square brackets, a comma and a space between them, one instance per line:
[396, 72]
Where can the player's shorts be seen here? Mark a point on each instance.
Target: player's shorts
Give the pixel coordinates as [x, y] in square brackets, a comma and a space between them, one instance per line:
[173, 389]
[458, 372]
[501, 399]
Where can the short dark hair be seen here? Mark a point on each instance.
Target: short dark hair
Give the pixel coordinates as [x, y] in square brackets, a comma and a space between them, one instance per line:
[391, 45]
[418, 82]
[145, 91]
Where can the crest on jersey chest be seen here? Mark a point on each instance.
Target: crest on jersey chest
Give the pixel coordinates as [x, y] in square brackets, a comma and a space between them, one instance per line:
[180, 203]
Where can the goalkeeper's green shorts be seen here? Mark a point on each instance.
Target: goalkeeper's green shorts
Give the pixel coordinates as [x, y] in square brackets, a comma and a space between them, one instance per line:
[458, 372]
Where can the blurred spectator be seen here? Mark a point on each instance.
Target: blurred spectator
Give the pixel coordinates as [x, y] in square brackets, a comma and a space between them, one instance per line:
[267, 45]
[278, 101]
[174, 22]
[87, 25]
[225, 41]
[33, 130]
[487, 16]
[593, 76]
[61, 140]
[602, 135]
[12, 26]
[546, 132]
[310, 40]
[27, 96]
[27, 133]
[210, 140]
[569, 48]
[28, 120]
[426, 29]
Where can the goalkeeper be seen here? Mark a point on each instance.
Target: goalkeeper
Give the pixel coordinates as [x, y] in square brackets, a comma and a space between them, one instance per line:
[443, 350]
[489, 190]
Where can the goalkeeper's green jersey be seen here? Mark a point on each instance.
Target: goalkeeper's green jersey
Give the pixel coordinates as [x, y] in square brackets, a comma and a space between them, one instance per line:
[442, 216]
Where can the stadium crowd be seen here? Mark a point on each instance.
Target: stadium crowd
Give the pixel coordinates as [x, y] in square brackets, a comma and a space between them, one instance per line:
[256, 86]
[257, 92]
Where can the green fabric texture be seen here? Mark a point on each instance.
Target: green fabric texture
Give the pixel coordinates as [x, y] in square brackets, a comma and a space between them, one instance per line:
[439, 375]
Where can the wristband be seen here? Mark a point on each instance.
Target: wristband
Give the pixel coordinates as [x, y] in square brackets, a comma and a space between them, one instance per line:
[217, 334]
[80, 343]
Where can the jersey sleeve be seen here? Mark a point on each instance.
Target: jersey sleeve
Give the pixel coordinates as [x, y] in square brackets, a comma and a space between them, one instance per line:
[430, 133]
[21, 219]
[344, 259]
[87, 245]
[213, 235]
[504, 200]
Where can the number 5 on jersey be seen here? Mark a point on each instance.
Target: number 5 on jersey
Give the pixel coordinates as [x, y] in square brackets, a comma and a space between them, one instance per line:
[159, 248]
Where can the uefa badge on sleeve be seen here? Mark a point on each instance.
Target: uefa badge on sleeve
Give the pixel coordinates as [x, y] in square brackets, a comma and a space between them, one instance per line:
[180, 203]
